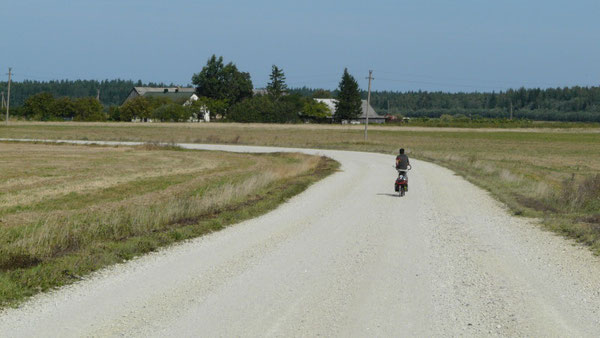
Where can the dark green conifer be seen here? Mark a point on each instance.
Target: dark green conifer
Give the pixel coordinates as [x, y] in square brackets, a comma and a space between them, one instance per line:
[277, 86]
[349, 105]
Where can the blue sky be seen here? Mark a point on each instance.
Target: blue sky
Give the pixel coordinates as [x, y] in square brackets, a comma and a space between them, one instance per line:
[460, 45]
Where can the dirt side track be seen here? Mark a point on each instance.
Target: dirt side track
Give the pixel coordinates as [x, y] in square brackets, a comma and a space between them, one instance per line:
[345, 258]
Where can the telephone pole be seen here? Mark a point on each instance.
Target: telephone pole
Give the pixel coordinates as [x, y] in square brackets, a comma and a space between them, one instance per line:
[8, 98]
[368, 103]
[3, 101]
[388, 110]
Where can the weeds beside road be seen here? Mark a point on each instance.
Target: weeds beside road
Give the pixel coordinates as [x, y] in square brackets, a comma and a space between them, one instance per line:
[66, 210]
[544, 173]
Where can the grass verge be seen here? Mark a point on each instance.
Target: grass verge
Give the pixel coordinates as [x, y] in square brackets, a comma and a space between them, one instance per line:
[76, 209]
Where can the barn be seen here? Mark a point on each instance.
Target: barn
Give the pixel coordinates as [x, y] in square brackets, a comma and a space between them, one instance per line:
[366, 109]
[183, 94]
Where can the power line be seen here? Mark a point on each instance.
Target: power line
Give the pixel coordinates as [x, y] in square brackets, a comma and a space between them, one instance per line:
[439, 83]
[319, 76]
[303, 83]
[416, 81]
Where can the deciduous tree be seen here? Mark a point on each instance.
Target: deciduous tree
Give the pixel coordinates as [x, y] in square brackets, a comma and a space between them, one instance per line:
[138, 107]
[264, 108]
[222, 82]
[316, 111]
[39, 107]
[171, 112]
[214, 106]
[64, 108]
[88, 109]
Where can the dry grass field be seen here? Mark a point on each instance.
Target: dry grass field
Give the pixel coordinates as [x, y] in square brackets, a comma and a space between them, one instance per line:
[66, 210]
[552, 174]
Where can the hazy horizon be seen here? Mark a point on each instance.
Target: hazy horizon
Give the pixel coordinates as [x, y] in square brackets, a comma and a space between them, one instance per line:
[434, 45]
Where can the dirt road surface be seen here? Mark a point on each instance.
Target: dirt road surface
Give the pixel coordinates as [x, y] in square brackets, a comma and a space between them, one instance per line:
[347, 257]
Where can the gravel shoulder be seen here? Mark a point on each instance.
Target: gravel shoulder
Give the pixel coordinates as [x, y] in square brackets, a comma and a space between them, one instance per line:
[345, 258]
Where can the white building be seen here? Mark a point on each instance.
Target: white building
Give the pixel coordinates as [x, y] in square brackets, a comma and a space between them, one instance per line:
[366, 109]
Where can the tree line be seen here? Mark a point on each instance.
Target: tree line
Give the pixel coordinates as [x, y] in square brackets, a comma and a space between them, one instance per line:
[45, 107]
[112, 92]
[279, 105]
[228, 93]
[552, 104]
[223, 90]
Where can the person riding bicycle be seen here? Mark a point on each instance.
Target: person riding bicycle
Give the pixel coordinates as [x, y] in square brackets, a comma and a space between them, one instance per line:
[402, 164]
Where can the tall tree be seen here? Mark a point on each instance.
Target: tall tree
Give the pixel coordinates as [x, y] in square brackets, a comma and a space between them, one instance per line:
[222, 82]
[238, 84]
[277, 86]
[348, 105]
[210, 81]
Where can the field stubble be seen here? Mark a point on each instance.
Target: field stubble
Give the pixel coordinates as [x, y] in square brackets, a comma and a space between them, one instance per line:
[551, 174]
[67, 210]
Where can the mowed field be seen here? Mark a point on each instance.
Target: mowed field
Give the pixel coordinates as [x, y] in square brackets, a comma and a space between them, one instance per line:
[550, 174]
[67, 210]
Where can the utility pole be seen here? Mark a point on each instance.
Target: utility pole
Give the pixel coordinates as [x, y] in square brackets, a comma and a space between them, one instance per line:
[368, 103]
[388, 110]
[8, 98]
[3, 101]
[98, 94]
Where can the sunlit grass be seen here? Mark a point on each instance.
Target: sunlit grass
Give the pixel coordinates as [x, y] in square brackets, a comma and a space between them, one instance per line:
[73, 209]
[527, 169]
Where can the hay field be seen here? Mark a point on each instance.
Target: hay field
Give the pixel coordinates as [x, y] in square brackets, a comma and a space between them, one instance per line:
[552, 174]
[66, 210]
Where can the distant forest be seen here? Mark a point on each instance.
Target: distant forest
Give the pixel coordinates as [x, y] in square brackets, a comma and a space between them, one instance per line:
[553, 104]
[112, 92]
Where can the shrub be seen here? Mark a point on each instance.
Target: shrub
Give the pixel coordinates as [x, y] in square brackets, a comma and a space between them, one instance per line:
[265, 108]
[138, 107]
[584, 196]
[88, 109]
[171, 112]
[315, 111]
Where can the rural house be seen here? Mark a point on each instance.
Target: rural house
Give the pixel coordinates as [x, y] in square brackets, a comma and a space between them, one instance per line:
[183, 95]
[177, 94]
[373, 116]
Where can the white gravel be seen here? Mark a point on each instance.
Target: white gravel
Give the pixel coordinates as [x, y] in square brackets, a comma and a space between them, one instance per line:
[345, 258]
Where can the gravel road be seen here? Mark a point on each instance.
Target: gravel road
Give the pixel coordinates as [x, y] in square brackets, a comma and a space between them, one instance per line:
[345, 258]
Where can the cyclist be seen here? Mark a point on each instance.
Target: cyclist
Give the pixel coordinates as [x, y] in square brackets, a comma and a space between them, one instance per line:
[402, 164]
